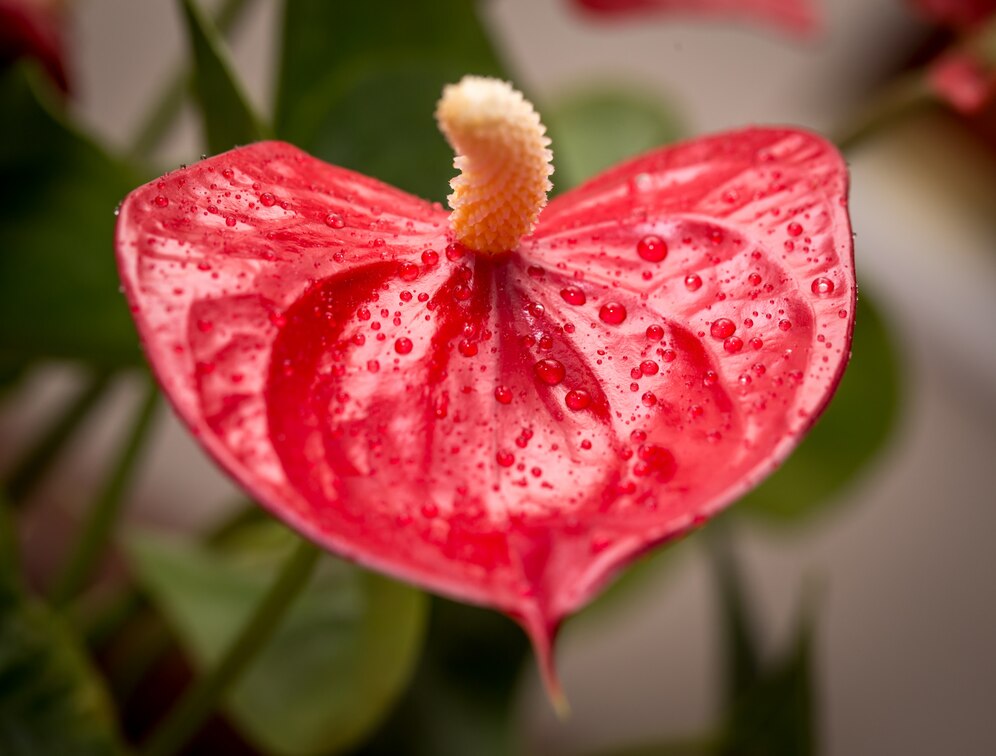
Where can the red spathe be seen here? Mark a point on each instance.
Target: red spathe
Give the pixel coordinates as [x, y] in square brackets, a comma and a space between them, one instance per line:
[507, 430]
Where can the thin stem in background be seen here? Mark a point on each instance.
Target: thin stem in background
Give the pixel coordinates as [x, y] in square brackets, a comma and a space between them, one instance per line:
[903, 97]
[101, 621]
[163, 114]
[203, 697]
[99, 525]
[28, 471]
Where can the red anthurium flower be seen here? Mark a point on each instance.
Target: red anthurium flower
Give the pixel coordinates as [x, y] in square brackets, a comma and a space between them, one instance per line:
[504, 415]
[959, 14]
[34, 28]
[799, 16]
[960, 77]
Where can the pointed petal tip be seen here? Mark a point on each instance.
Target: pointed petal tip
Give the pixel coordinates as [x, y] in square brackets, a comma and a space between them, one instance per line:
[542, 631]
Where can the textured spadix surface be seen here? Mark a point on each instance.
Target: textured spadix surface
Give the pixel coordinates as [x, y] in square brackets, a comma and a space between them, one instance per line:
[507, 429]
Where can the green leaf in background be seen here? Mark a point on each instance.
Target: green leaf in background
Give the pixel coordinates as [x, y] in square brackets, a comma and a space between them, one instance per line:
[741, 649]
[51, 700]
[846, 439]
[777, 717]
[596, 129]
[359, 82]
[333, 669]
[58, 281]
[228, 117]
[462, 700]
[770, 708]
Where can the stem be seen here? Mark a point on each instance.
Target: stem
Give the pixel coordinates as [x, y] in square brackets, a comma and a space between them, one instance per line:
[105, 618]
[913, 91]
[160, 118]
[904, 96]
[99, 524]
[30, 469]
[200, 701]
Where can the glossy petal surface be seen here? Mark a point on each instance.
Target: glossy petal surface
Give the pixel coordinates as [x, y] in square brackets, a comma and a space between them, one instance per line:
[799, 16]
[507, 430]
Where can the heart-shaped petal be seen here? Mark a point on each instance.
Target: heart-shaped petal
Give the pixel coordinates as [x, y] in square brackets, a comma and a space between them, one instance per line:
[510, 429]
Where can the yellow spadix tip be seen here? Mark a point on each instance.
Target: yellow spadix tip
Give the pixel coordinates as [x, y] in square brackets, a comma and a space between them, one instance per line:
[503, 155]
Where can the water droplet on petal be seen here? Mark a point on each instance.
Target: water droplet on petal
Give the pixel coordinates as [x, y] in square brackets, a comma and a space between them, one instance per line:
[578, 399]
[408, 271]
[654, 460]
[403, 345]
[573, 295]
[267, 200]
[722, 328]
[503, 395]
[161, 201]
[652, 248]
[794, 229]
[550, 372]
[612, 313]
[693, 282]
[655, 332]
[823, 287]
[334, 220]
[733, 344]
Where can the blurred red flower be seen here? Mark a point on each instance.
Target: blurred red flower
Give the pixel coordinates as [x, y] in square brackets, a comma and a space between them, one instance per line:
[34, 28]
[798, 16]
[959, 14]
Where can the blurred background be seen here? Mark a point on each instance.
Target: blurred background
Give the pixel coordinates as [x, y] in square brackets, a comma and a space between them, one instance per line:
[897, 562]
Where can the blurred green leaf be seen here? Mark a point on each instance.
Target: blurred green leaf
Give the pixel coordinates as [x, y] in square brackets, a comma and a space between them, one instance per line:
[51, 700]
[11, 372]
[741, 650]
[705, 747]
[462, 700]
[58, 281]
[770, 707]
[596, 129]
[846, 438]
[359, 82]
[228, 117]
[334, 668]
[776, 717]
